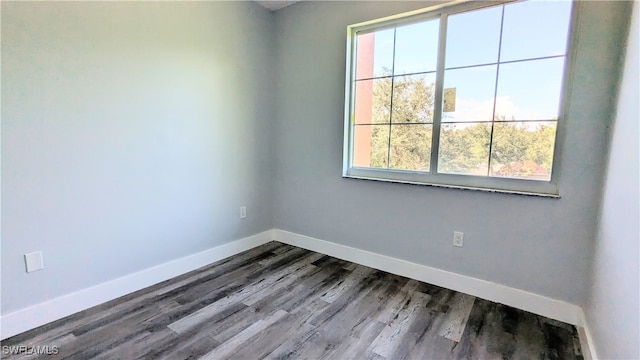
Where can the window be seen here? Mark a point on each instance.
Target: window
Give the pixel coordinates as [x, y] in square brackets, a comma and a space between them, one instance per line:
[465, 96]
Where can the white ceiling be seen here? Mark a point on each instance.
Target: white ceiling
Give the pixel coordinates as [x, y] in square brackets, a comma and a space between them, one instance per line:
[274, 5]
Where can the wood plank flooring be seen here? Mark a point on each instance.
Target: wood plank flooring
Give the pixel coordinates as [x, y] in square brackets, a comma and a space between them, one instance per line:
[277, 301]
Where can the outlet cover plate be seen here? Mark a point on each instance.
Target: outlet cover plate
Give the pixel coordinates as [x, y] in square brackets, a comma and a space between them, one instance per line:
[458, 238]
[33, 261]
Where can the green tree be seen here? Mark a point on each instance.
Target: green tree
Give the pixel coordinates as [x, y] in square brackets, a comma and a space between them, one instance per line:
[408, 137]
[518, 149]
[464, 148]
[522, 149]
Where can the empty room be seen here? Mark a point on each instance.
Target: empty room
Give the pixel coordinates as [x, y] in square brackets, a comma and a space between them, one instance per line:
[320, 180]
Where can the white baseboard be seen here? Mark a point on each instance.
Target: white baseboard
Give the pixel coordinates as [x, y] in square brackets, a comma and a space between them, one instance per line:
[524, 300]
[43, 313]
[586, 339]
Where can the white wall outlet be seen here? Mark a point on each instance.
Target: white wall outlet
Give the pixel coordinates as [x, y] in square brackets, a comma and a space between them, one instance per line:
[33, 261]
[243, 212]
[458, 238]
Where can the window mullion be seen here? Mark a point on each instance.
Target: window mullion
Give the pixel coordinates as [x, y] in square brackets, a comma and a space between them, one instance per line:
[495, 94]
[393, 78]
[437, 110]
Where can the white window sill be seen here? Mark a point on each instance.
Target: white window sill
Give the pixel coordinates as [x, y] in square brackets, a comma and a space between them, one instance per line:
[462, 187]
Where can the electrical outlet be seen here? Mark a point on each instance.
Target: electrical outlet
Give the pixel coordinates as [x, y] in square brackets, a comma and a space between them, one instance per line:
[458, 238]
[243, 212]
[33, 261]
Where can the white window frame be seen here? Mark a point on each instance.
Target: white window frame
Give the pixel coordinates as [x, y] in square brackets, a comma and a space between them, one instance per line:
[486, 183]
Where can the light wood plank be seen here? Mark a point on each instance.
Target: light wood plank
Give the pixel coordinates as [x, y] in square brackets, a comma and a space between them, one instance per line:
[392, 336]
[456, 317]
[229, 347]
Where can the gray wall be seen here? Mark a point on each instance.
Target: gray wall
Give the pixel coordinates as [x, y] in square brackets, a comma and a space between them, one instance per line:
[132, 132]
[612, 312]
[535, 244]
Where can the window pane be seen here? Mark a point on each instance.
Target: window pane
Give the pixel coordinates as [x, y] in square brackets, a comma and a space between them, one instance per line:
[535, 29]
[416, 47]
[370, 145]
[523, 149]
[474, 90]
[411, 146]
[464, 148]
[413, 98]
[374, 54]
[473, 37]
[529, 90]
[373, 101]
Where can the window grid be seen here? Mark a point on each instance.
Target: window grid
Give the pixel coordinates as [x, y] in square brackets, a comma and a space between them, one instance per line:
[461, 122]
[437, 118]
[463, 67]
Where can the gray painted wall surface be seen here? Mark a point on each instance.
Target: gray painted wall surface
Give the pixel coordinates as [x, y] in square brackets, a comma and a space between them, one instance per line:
[132, 132]
[613, 309]
[535, 244]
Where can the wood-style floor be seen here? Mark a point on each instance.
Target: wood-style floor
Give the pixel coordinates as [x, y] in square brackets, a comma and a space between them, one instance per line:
[281, 302]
